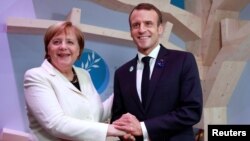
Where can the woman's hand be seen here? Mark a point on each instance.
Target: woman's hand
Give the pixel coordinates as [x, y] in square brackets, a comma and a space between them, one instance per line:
[129, 124]
[112, 131]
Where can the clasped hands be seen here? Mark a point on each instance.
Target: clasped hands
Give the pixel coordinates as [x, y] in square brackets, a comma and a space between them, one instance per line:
[129, 124]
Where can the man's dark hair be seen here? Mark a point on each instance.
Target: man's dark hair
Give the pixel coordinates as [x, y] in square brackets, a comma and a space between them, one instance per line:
[147, 6]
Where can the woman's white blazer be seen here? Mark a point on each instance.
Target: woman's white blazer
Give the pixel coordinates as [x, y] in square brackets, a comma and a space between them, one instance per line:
[58, 111]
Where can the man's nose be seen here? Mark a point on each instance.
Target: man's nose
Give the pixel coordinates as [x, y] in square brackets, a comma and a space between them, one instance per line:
[142, 28]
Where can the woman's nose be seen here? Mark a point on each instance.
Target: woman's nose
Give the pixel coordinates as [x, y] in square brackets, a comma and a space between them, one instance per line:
[63, 46]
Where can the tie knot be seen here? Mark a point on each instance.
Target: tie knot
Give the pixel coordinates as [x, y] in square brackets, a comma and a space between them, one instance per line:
[146, 59]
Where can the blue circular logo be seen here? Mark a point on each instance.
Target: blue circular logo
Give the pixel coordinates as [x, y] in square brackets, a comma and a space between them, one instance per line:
[96, 66]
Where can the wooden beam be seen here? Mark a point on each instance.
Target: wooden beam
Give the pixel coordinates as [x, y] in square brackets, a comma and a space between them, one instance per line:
[211, 41]
[39, 26]
[236, 49]
[231, 5]
[224, 85]
[183, 27]
[215, 107]
[233, 31]
[74, 16]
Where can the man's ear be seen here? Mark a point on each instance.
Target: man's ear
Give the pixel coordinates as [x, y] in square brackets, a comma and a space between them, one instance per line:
[160, 29]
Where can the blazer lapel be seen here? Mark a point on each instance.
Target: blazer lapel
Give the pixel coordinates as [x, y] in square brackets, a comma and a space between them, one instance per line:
[72, 87]
[132, 70]
[159, 67]
[61, 79]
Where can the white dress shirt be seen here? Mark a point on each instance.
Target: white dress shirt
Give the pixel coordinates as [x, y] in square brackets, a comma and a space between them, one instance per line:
[153, 54]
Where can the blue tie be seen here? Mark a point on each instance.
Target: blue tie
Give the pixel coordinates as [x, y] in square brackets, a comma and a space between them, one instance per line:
[145, 80]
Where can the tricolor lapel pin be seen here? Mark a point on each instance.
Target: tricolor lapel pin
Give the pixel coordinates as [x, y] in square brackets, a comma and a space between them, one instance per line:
[161, 63]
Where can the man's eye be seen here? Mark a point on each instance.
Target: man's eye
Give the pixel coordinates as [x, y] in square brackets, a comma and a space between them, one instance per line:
[148, 24]
[134, 26]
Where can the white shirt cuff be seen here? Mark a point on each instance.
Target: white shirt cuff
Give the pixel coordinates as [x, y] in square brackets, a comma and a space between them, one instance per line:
[144, 132]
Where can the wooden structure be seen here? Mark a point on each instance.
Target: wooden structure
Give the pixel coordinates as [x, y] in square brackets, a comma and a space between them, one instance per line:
[211, 30]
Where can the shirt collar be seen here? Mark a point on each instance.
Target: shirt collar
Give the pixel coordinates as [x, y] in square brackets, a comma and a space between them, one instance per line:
[152, 54]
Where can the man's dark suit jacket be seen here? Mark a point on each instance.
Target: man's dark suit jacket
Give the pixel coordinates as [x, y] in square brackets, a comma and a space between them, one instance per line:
[174, 102]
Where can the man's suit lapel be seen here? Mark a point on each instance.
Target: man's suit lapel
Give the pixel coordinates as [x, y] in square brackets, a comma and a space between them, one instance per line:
[159, 67]
[132, 70]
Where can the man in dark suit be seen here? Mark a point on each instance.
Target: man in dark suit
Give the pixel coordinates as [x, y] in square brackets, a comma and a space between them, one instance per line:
[173, 100]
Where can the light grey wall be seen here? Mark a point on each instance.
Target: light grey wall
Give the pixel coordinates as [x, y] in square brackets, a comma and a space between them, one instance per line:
[238, 106]
[12, 113]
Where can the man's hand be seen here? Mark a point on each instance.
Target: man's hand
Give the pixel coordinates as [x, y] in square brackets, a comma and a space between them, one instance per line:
[128, 123]
[115, 132]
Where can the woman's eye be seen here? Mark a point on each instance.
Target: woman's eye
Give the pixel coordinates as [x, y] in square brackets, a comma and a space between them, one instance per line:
[56, 42]
[70, 42]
